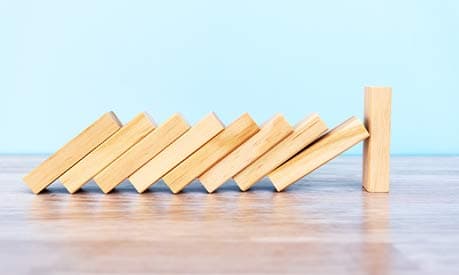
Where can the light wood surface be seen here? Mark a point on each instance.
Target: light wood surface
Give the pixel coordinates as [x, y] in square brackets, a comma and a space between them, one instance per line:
[218, 147]
[57, 164]
[271, 133]
[304, 133]
[338, 140]
[175, 153]
[376, 149]
[107, 152]
[141, 153]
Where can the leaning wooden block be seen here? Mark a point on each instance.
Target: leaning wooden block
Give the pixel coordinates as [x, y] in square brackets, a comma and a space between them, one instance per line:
[72, 152]
[107, 152]
[141, 153]
[304, 133]
[175, 153]
[270, 134]
[376, 149]
[320, 152]
[226, 141]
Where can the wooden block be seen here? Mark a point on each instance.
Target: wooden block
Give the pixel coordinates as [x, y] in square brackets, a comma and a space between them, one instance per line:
[376, 149]
[270, 134]
[304, 133]
[175, 153]
[72, 152]
[226, 141]
[338, 140]
[107, 152]
[141, 153]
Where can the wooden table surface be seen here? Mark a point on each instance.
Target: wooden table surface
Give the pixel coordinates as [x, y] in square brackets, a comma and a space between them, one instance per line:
[324, 224]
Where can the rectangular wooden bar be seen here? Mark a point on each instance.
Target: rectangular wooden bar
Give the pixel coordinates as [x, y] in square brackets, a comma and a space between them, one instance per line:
[376, 149]
[338, 140]
[141, 153]
[107, 152]
[304, 133]
[225, 142]
[72, 152]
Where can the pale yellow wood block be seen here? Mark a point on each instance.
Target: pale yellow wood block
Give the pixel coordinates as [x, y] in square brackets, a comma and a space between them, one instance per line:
[304, 133]
[270, 134]
[141, 153]
[226, 141]
[107, 152]
[175, 153]
[72, 152]
[329, 146]
[376, 149]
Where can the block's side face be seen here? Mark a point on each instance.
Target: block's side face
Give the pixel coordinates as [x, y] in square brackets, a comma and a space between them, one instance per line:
[304, 134]
[376, 149]
[107, 152]
[141, 153]
[72, 152]
[320, 152]
[218, 147]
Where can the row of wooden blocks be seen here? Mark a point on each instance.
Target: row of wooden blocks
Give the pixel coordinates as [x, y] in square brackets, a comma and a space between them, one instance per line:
[178, 153]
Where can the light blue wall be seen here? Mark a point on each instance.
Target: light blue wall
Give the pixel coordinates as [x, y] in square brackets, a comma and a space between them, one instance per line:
[63, 63]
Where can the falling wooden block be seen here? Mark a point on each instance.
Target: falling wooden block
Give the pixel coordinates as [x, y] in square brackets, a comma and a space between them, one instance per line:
[320, 152]
[72, 152]
[376, 149]
[218, 147]
[175, 153]
[141, 153]
[304, 133]
[107, 152]
[270, 134]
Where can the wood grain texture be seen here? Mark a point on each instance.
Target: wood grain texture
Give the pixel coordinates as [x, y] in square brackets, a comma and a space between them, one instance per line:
[376, 148]
[338, 140]
[304, 133]
[68, 155]
[271, 133]
[141, 153]
[175, 153]
[107, 152]
[218, 147]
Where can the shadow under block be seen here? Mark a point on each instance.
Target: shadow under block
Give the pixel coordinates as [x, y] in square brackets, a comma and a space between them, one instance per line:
[175, 153]
[217, 148]
[72, 152]
[329, 146]
[270, 134]
[107, 152]
[304, 133]
[376, 149]
[141, 153]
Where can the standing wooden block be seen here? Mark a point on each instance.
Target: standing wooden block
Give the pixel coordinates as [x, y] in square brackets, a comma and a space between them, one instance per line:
[107, 152]
[72, 152]
[226, 141]
[270, 134]
[304, 133]
[175, 153]
[376, 149]
[141, 153]
[320, 152]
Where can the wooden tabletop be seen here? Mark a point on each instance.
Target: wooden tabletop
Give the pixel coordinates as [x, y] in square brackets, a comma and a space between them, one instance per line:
[324, 224]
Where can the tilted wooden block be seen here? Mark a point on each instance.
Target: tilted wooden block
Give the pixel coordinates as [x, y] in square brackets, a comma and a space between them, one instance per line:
[304, 133]
[141, 153]
[175, 153]
[376, 149]
[218, 147]
[270, 134]
[107, 152]
[72, 152]
[320, 152]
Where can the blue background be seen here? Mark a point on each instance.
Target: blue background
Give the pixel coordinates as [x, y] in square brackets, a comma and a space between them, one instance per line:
[64, 63]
